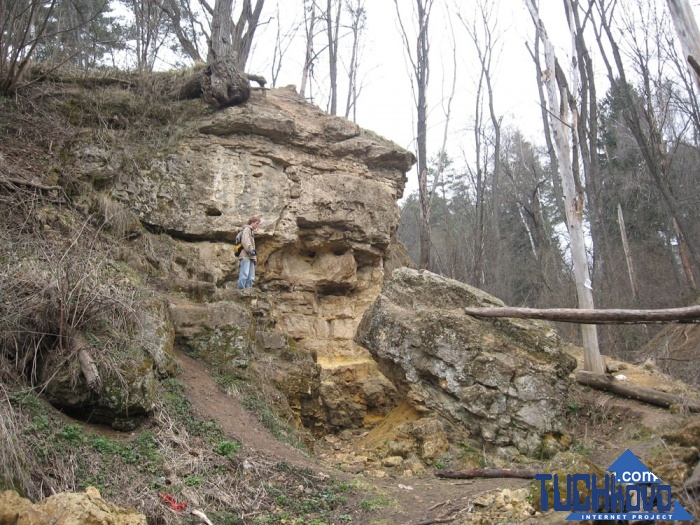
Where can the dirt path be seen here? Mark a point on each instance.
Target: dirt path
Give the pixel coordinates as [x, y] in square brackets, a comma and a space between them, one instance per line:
[405, 500]
[210, 401]
[606, 430]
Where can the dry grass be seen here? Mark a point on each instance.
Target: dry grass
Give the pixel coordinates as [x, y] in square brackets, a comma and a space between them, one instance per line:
[115, 217]
[13, 458]
[175, 454]
[55, 282]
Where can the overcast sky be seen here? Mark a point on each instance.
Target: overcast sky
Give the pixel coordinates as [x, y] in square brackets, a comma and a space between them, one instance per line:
[386, 104]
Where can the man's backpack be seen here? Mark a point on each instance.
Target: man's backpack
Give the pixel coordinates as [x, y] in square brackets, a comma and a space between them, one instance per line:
[238, 247]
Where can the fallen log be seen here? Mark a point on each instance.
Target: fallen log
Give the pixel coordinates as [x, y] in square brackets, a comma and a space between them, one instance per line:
[608, 383]
[486, 473]
[689, 314]
[87, 364]
[436, 520]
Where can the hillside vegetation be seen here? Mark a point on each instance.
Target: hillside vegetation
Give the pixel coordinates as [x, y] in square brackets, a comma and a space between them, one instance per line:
[73, 280]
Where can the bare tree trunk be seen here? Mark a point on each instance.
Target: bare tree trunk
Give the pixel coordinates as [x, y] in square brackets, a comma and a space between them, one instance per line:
[688, 33]
[310, 22]
[332, 30]
[587, 134]
[529, 233]
[359, 17]
[223, 82]
[685, 260]
[553, 162]
[421, 70]
[628, 253]
[573, 198]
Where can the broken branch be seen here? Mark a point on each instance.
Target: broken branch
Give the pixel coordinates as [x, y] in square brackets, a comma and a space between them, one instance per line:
[87, 365]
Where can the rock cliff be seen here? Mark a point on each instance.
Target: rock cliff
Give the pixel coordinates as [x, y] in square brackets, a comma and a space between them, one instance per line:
[326, 192]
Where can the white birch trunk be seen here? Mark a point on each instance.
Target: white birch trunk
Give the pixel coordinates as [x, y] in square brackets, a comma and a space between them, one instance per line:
[573, 203]
[688, 33]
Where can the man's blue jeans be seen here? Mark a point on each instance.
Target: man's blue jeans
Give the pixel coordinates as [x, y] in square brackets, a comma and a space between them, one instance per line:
[246, 274]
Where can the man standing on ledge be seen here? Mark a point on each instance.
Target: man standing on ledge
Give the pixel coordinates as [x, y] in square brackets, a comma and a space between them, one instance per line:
[246, 274]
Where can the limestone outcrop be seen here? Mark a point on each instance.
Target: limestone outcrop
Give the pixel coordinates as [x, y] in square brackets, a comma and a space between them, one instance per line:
[500, 382]
[326, 191]
[68, 508]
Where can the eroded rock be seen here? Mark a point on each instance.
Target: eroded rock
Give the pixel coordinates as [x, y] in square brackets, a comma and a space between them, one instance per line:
[86, 508]
[499, 381]
[326, 191]
[128, 386]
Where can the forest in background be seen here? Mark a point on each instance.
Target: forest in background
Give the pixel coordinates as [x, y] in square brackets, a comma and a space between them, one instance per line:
[491, 208]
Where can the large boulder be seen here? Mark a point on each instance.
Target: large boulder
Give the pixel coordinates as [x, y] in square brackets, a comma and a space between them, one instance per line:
[128, 388]
[500, 381]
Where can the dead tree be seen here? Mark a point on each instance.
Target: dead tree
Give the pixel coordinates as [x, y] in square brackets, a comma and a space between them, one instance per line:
[564, 118]
[688, 33]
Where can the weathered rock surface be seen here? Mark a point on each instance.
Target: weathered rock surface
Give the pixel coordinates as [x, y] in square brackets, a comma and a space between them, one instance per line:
[677, 461]
[11, 504]
[501, 382]
[326, 192]
[86, 508]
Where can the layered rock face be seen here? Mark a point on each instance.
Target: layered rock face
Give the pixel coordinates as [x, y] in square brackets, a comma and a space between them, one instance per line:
[326, 192]
[502, 382]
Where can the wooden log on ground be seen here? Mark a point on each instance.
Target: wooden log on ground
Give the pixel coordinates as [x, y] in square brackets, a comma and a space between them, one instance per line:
[487, 473]
[87, 365]
[430, 521]
[689, 314]
[608, 383]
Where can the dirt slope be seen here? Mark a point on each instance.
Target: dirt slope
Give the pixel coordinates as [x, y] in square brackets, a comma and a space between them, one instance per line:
[406, 500]
[602, 428]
